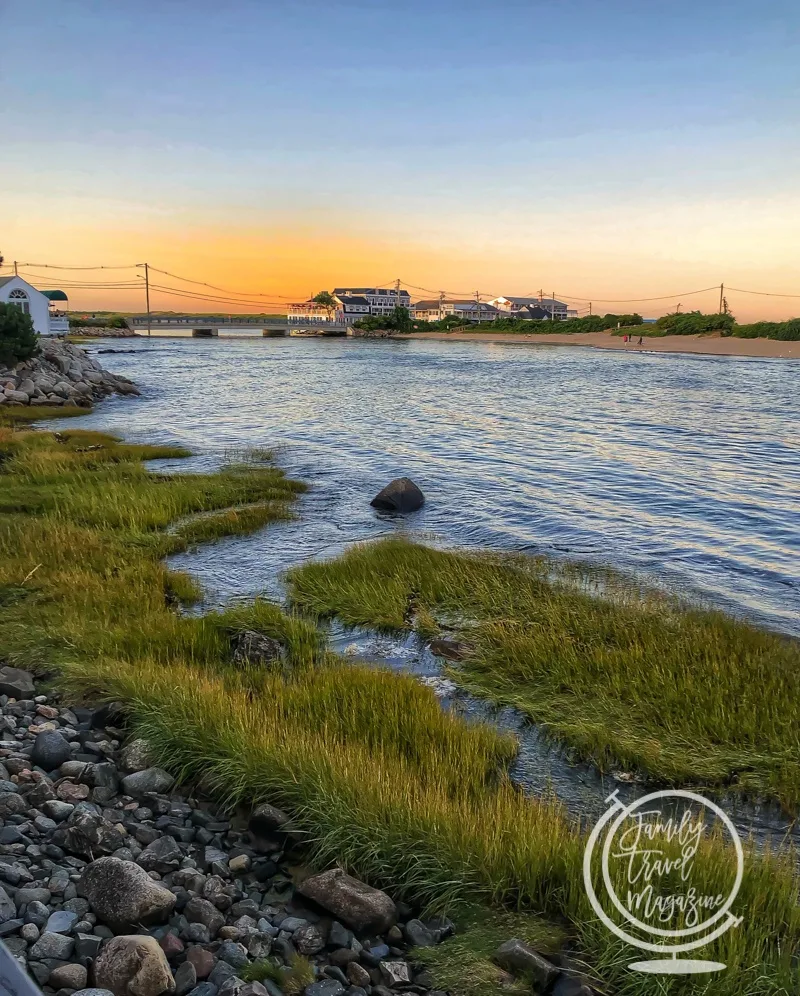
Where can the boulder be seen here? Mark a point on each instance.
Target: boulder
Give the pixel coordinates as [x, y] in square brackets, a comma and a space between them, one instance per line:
[517, 957]
[251, 647]
[267, 819]
[123, 895]
[50, 750]
[68, 977]
[52, 946]
[135, 756]
[360, 906]
[400, 495]
[16, 683]
[133, 965]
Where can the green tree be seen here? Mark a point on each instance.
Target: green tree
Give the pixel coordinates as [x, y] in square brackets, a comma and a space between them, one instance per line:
[327, 301]
[18, 338]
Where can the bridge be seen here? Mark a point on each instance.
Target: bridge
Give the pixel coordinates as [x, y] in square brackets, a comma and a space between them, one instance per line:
[205, 326]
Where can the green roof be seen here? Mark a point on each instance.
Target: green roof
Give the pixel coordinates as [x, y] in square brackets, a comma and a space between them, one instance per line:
[55, 295]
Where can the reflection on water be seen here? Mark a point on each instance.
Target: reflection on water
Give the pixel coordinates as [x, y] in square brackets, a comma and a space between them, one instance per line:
[683, 469]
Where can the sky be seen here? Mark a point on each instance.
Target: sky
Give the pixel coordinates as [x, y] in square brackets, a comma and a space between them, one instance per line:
[601, 149]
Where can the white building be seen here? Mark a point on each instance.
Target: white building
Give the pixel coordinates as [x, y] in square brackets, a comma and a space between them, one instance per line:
[381, 300]
[14, 290]
[523, 306]
[469, 310]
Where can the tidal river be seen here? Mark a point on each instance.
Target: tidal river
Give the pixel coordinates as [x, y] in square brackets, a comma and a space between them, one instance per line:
[682, 469]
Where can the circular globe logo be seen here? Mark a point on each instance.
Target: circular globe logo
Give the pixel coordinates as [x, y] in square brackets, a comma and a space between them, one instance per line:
[658, 896]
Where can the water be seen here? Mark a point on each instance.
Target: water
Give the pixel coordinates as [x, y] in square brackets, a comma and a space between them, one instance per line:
[682, 469]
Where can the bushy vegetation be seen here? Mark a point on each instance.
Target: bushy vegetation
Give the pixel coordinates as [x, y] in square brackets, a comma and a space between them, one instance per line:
[545, 326]
[374, 775]
[18, 338]
[786, 331]
[398, 321]
[692, 323]
[631, 678]
[109, 321]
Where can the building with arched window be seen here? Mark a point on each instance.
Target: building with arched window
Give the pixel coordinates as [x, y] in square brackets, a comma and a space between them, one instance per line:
[14, 290]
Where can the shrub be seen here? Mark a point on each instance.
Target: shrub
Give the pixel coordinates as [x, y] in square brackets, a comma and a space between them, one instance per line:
[694, 323]
[786, 331]
[18, 338]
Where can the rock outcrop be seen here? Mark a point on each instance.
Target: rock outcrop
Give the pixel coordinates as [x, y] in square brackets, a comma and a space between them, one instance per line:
[400, 495]
[62, 374]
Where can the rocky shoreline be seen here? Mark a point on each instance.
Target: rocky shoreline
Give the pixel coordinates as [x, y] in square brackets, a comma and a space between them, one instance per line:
[61, 374]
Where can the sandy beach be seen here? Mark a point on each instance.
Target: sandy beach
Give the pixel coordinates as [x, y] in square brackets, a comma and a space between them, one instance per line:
[707, 344]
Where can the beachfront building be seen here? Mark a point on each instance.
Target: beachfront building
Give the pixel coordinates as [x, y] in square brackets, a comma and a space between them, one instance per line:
[535, 307]
[308, 313]
[14, 290]
[381, 300]
[469, 310]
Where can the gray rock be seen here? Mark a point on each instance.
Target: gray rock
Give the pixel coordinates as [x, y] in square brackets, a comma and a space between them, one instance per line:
[325, 987]
[221, 973]
[232, 953]
[33, 895]
[68, 977]
[93, 992]
[200, 910]
[61, 922]
[204, 989]
[358, 975]
[12, 804]
[133, 965]
[418, 935]
[89, 835]
[123, 894]
[395, 973]
[87, 945]
[15, 683]
[37, 913]
[57, 810]
[185, 979]
[50, 750]
[308, 940]
[135, 756]
[52, 946]
[151, 781]
[12, 926]
[163, 856]
[8, 908]
[267, 819]
[360, 906]
[251, 647]
[519, 958]
[400, 495]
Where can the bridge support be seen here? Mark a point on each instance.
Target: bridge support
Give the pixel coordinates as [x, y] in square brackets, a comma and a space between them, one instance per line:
[273, 333]
[204, 333]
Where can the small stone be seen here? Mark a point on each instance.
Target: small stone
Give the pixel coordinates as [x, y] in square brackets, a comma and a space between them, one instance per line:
[185, 979]
[232, 953]
[61, 922]
[517, 957]
[87, 945]
[50, 750]
[267, 819]
[201, 911]
[94, 992]
[163, 856]
[308, 940]
[52, 946]
[325, 987]
[357, 974]
[72, 793]
[172, 946]
[133, 965]
[394, 973]
[202, 960]
[68, 977]
[16, 683]
[240, 864]
[151, 781]
[418, 935]
[8, 908]
[27, 931]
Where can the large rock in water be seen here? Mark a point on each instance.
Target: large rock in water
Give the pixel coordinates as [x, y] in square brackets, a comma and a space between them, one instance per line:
[133, 965]
[358, 905]
[123, 895]
[401, 495]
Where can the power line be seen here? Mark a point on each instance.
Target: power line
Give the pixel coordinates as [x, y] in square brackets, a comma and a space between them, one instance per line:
[739, 290]
[638, 300]
[224, 290]
[52, 266]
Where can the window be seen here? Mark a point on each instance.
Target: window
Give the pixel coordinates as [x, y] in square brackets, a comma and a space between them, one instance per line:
[20, 299]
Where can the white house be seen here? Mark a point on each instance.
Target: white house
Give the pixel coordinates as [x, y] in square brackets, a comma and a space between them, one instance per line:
[14, 290]
[381, 300]
[522, 306]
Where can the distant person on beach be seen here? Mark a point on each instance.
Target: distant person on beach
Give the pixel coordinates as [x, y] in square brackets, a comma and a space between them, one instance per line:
[624, 338]
[640, 340]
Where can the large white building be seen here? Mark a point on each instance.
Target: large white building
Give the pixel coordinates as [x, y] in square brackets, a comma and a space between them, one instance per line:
[470, 310]
[535, 307]
[14, 290]
[351, 304]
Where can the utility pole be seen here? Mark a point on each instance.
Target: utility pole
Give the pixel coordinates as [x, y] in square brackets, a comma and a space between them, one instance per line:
[590, 307]
[478, 305]
[146, 291]
[721, 296]
[553, 307]
[15, 269]
[397, 292]
[441, 305]
[678, 309]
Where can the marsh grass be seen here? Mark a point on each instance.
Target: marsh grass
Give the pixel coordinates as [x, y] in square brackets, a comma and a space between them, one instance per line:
[375, 776]
[625, 677]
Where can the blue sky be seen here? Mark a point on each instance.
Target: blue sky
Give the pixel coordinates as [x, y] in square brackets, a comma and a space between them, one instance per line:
[463, 132]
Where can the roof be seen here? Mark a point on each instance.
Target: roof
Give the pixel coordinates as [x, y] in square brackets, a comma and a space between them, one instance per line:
[522, 302]
[4, 280]
[338, 291]
[55, 295]
[425, 305]
[352, 299]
